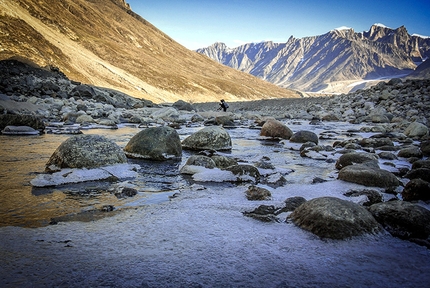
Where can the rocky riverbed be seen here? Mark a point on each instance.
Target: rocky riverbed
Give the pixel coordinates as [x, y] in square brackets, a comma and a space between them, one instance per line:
[327, 192]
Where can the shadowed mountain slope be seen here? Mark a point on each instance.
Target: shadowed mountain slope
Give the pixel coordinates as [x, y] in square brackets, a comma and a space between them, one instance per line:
[104, 43]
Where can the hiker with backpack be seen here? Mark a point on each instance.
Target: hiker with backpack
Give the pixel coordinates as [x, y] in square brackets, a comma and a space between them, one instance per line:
[223, 105]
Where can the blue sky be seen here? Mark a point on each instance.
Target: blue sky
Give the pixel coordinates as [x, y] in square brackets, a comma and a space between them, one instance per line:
[196, 24]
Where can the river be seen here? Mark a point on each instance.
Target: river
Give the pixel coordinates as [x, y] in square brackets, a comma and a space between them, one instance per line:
[23, 157]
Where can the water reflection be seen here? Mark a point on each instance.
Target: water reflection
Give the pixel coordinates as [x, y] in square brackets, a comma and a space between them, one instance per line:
[23, 157]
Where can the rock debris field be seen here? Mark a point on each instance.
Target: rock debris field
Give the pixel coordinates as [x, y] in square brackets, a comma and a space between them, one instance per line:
[315, 192]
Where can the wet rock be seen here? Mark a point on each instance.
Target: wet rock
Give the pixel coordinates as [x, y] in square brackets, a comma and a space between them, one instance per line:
[208, 138]
[275, 129]
[355, 158]
[304, 136]
[19, 130]
[85, 151]
[403, 219]
[416, 189]
[245, 173]
[421, 164]
[257, 193]
[423, 173]
[330, 217]
[387, 156]
[412, 151]
[368, 176]
[425, 147]
[156, 143]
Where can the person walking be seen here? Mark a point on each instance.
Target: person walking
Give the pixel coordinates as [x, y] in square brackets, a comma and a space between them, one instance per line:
[223, 105]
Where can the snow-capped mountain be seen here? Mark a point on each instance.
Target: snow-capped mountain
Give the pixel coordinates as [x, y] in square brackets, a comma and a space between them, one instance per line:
[333, 62]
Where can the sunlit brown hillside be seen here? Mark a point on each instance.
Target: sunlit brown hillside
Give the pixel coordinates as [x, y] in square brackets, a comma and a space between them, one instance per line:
[104, 43]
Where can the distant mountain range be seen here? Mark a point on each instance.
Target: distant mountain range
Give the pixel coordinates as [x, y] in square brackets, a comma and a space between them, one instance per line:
[105, 43]
[339, 61]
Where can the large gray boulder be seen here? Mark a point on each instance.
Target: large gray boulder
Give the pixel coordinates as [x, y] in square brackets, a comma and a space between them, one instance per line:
[208, 138]
[330, 217]
[182, 105]
[304, 136]
[85, 151]
[403, 219]
[368, 176]
[355, 158]
[275, 129]
[416, 129]
[155, 143]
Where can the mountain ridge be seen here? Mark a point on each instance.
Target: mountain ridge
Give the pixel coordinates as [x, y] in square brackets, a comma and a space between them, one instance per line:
[328, 63]
[105, 43]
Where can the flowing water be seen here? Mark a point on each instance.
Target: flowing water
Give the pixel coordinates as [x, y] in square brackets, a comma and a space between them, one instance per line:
[23, 157]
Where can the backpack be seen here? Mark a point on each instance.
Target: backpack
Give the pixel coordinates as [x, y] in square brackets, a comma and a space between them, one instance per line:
[225, 105]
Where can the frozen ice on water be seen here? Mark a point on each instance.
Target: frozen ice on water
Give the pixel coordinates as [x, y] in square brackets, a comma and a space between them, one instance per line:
[71, 175]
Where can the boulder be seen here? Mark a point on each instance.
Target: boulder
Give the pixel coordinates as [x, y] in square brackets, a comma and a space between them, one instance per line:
[258, 193]
[201, 160]
[416, 129]
[84, 119]
[416, 189]
[330, 217]
[423, 173]
[85, 151]
[275, 129]
[292, 203]
[355, 158]
[403, 219]
[265, 213]
[155, 143]
[376, 142]
[166, 113]
[208, 138]
[223, 162]
[425, 147]
[368, 176]
[83, 91]
[421, 164]
[21, 120]
[19, 130]
[408, 152]
[182, 105]
[304, 136]
[225, 120]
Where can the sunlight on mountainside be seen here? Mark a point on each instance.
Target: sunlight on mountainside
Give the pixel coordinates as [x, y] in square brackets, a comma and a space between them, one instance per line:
[106, 44]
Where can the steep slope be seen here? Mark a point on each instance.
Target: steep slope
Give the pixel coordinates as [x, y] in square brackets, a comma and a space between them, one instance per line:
[334, 62]
[104, 43]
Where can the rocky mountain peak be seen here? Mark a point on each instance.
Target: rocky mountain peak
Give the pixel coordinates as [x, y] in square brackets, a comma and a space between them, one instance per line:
[338, 61]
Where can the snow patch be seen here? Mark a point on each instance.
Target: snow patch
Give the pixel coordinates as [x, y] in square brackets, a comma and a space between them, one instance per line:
[72, 175]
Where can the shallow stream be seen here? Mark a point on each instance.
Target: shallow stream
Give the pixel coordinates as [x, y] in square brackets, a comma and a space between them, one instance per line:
[23, 157]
